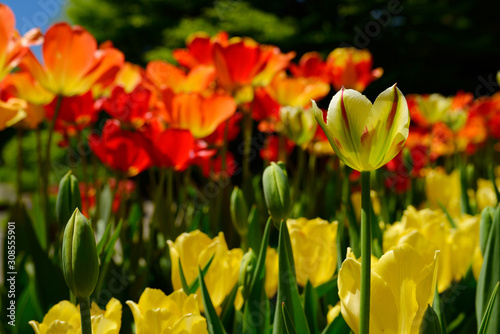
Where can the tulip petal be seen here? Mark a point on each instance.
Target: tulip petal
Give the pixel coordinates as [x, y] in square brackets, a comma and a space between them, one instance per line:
[383, 309]
[386, 126]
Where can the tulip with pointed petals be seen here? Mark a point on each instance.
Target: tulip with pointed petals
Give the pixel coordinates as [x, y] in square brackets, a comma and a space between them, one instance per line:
[366, 136]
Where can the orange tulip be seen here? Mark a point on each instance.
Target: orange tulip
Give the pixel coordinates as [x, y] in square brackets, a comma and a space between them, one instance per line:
[196, 112]
[12, 46]
[23, 86]
[243, 63]
[165, 75]
[311, 65]
[11, 112]
[83, 63]
[296, 92]
[199, 49]
[352, 68]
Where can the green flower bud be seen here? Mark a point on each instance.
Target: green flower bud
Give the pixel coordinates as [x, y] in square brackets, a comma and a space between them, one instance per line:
[68, 198]
[485, 227]
[239, 211]
[298, 124]
[247, 268]
[276, 192]
[79, 256]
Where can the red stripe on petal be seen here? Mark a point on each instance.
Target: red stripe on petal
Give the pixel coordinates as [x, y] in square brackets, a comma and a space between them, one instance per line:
[394, 108]
[342, 108]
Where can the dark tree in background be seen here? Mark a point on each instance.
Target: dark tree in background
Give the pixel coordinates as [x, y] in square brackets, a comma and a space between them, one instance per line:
[426, 46]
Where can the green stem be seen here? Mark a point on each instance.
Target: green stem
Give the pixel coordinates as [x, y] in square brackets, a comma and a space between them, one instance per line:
[364, 320]
[46, 169]
[170, 195]
[85, 315]
[86, 182]
[19, 163]
[282, 148]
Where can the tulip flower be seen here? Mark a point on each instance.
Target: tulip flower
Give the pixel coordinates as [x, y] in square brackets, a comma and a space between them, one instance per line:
[443, 189]
[11, 112]
[366, 136]
[13, 47]
[272, 272]
[352, 68]
[402, 286]
[242, 63]
[83, 63]
[199, 49]
[165, 75]
[76, 113]
[199, 113]
[194, 250]
[314, 249]
[22, 85]
[170, 148]
[298, 124]
[427, 231]
[276, 192]
[157, 313]
[130, 108]
[64, 317]
[311, 65]
[125, 151]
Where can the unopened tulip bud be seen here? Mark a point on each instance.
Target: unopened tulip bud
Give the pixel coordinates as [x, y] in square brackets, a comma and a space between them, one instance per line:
[298, 124]
[276, 192]
[366, 136]
[68, 198]
[239, 211]
[485, 226]
[247, 267]
[79, 256]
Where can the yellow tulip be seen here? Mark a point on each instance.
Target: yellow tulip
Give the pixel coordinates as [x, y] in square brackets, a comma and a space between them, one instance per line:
[298, 124]
[427, 231]
[157, 313]
[402, 285]
[64, 317]
[314, 249]
[333, 313]
[11, 112]
[356, 203]
[434, 107]
[194, 250]
[485, 194]
[272, 272]
[443, 189]
[366, 136]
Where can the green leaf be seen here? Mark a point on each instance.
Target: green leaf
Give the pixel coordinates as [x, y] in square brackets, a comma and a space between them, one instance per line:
[289, 326]
[485, 323]
[447, 214]
[228, 313]
[257, 300]
[287, 287]
[489, 276]
[105, 204]
[110, 247]
[430, 322]
[254, 229]
[194, 285]
[464, 197]
[311, 307]
[190, 289]
[213, 322]
[436, 305]
[104, 239]
[337, 326]
[326, 287]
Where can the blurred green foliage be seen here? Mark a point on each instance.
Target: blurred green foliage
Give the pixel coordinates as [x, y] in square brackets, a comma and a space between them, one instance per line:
[426, 46]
